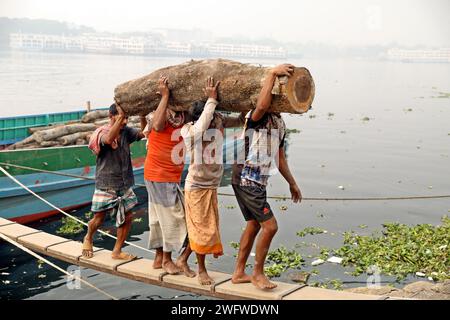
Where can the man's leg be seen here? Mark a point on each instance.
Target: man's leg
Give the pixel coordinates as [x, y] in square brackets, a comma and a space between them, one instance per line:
[259, 279]
[157, 263]
[93, 226]
[182, 262]
[246, 244]
[122, 233]
[168, 265]
[203, 276]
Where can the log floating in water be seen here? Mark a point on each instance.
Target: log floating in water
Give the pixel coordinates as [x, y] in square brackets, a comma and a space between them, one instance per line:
[239, 88]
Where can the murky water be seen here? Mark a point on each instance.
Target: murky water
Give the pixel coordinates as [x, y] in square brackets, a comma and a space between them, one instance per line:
[403, 149]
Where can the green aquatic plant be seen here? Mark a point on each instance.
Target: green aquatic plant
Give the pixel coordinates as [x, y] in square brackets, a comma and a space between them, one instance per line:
[70, 227]
[400, 250]
[335, 284]
[282, 259]
[310, 231]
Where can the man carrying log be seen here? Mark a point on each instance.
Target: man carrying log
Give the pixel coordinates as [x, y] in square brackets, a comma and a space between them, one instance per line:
[162, 176]
[204, 142]
[266, 133]
[113, 180]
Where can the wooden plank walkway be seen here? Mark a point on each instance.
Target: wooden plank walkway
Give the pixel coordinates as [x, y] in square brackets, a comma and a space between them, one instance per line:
[141, 270]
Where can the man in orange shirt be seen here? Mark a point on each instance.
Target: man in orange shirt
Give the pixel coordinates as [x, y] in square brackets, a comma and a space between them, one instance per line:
[162, 174]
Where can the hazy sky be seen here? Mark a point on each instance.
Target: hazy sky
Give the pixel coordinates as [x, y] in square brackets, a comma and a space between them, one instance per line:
[407, 22]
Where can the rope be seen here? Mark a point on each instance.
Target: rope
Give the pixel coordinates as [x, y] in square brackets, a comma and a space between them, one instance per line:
[232, 195]
[4, 237]
[65, 213]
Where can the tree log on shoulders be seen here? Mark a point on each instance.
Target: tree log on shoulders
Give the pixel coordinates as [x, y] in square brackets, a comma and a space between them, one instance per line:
[239, 88]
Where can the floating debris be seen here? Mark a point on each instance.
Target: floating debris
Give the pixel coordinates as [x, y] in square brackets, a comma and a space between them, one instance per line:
[341, 187]
[365, 119]
[283, 208]
[138, 220]
[363, 226]
[299, 276]
[335, 259]
[230, 207]
[317, 262]
[310, 231]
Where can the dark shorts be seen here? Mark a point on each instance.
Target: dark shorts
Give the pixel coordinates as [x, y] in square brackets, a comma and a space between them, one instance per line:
[253, 202]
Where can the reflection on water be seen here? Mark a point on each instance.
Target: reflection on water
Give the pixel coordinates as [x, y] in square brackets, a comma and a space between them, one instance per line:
[377, 128]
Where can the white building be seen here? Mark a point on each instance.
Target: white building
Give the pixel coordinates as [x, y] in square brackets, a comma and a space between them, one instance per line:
[440, 55]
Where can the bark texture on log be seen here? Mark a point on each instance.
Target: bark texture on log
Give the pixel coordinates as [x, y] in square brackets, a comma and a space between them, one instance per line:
[72, 138]
[94, 115]
[52, 134]
[239, 88]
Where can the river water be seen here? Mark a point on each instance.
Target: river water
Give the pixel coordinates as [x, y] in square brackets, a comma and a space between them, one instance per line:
[402, 148]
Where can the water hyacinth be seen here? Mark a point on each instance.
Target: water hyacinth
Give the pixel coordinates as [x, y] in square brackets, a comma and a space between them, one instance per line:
[401, 250]
[282, 259]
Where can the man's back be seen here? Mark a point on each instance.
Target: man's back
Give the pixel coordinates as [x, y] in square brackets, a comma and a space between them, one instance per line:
[159, 165]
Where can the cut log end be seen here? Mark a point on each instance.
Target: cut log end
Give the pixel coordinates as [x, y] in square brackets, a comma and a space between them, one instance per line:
[300, 90]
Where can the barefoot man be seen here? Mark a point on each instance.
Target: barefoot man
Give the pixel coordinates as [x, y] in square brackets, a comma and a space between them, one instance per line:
[204, 139]
[264, 146]
[162, 176]
[113, 180]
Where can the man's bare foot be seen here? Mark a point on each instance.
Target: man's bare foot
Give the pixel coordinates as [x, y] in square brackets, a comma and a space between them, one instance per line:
[88, 248]
[186, 269]
[122, 256]
[204, 279]
[240, 278]
[262, 282]
[157, 263]
[170, 267]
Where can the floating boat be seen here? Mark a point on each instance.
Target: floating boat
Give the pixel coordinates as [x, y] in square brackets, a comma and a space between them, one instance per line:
[66, 189]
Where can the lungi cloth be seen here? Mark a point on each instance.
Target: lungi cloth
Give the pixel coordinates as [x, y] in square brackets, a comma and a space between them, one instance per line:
[202, 220]
[166, 216]
[121, 201]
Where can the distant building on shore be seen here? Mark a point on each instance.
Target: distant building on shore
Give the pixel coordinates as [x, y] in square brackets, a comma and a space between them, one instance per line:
[407, 55]
[111, 44]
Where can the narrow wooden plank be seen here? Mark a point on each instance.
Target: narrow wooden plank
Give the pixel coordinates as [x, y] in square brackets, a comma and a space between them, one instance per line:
[310, 293]
[16, 230]
[4, 222]
[249, 291]
[71, 250]
[101, 261]
[40, 241]
[183, 281]
[140, 270]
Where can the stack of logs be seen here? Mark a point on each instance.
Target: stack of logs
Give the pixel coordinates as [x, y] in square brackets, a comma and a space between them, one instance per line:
[76, 132]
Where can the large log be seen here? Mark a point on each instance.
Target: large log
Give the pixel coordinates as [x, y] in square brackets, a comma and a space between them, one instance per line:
[239, 88]
[72, 138]
[94, 115]
[52, 134]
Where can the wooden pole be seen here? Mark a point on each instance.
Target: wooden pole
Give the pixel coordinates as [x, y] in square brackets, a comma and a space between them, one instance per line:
[88, 106]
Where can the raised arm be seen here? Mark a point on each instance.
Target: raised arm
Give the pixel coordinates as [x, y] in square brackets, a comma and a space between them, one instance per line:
[159, 118]
[265, 96]
[296, 194]
[113, 133]
[211, 91]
